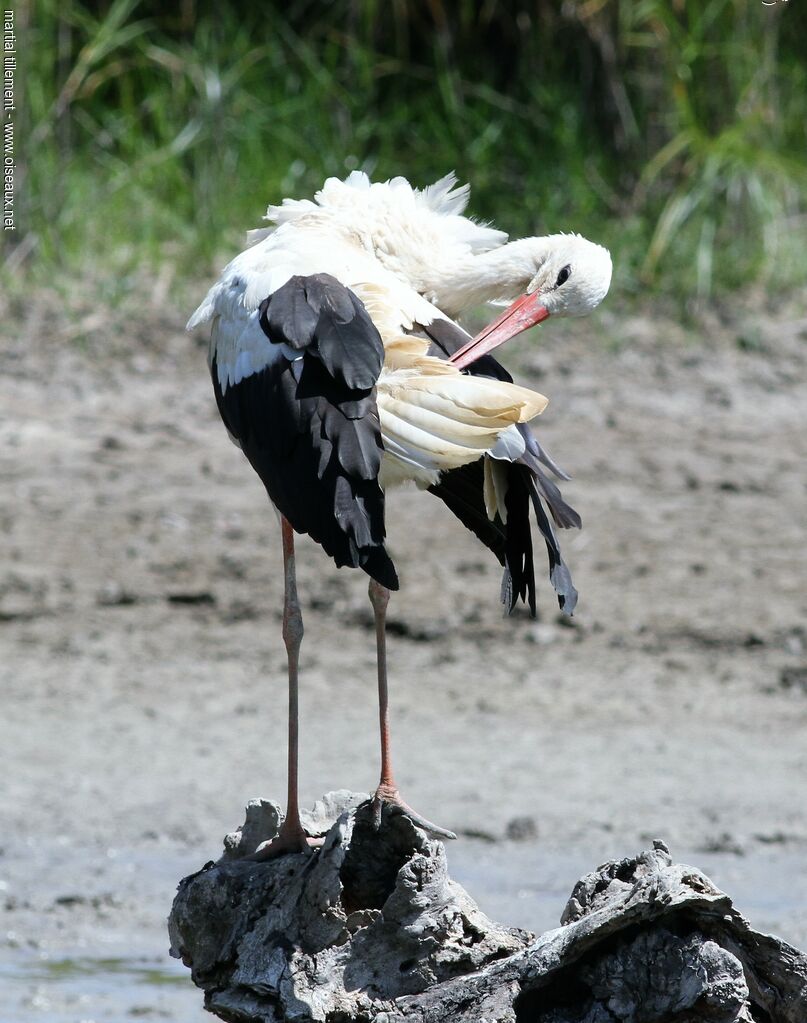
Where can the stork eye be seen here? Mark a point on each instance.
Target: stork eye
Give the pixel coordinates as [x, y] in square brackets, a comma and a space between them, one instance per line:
[563, 276]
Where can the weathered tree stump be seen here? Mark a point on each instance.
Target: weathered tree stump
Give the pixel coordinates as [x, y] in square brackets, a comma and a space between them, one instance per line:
[371, 927]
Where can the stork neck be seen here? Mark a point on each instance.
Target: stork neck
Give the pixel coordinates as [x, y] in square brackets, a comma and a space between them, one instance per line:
[501, 274]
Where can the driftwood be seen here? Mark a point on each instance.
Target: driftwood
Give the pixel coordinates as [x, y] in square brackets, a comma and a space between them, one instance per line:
[371, 927]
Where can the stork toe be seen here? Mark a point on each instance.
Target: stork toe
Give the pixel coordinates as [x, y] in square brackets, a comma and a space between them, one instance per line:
[289, 842]
[388, 795]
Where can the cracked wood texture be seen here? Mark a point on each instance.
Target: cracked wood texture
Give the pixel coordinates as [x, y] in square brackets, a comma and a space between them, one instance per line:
[371, 928]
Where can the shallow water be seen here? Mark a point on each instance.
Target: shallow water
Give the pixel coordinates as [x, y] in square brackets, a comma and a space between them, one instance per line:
[86, 989]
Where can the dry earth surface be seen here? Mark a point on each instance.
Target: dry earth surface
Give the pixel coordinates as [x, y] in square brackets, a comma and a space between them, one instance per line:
[143, 674]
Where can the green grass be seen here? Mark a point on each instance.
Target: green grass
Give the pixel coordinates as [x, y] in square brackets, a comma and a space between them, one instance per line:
[672, 131]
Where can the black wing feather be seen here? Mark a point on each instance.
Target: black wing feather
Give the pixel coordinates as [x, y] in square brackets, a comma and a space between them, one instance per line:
[462, 490]
[310, 427]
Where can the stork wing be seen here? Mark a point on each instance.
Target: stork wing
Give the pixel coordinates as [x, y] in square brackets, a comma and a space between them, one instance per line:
[307, 419]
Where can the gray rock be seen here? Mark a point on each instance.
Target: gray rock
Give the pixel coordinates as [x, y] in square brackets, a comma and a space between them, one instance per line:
[371, 927]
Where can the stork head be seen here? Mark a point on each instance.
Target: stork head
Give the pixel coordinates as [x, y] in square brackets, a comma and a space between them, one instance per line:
[567, 276]
[572, 275]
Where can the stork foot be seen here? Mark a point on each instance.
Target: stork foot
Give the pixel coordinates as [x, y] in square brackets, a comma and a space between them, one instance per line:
[289, 840]
[389, 795]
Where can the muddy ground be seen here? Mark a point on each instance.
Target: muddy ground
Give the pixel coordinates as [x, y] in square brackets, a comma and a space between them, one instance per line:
[142, 668]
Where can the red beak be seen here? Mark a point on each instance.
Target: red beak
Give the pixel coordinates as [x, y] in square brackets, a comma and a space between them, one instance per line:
[525, 312]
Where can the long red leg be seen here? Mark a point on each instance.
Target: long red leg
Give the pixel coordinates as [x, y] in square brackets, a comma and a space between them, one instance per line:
[379, 598]
[291, 837]
[387, 791]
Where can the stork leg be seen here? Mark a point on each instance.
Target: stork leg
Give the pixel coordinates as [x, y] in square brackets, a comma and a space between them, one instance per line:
[291, 838]
[387, 791]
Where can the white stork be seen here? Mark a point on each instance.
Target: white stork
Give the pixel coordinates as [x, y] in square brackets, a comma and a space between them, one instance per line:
[340, 372]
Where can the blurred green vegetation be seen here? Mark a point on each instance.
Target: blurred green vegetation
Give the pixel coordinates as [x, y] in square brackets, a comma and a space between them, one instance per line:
[675, 132]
